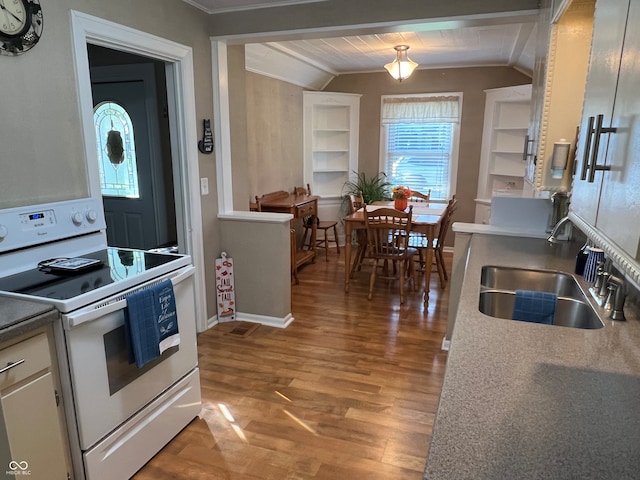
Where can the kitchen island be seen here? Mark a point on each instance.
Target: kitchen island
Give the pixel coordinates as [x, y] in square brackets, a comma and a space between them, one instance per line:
[530, 401]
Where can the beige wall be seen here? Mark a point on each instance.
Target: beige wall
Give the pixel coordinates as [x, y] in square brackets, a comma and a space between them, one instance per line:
[471, 81]
[274, 126]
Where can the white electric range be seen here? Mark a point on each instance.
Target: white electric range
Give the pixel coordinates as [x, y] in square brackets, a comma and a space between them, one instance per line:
[118, 415]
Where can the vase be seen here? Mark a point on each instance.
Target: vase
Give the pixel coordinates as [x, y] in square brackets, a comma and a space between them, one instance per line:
[400, 203]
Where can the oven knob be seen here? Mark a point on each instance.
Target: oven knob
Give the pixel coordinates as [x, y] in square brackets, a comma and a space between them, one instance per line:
[91, 215]
[77, 218]
[4, 231]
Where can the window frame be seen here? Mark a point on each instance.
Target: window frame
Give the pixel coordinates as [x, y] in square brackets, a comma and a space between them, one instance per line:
[455, 137]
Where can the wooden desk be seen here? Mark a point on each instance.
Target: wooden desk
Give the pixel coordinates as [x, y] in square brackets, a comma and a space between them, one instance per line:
[299, 206]
[426, 219]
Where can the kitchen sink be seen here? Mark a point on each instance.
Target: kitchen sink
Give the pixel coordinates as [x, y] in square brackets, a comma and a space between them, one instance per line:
[570, 312]
[498, 292]
[507, 278]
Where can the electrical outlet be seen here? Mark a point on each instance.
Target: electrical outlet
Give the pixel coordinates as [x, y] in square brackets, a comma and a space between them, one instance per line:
[204, 186]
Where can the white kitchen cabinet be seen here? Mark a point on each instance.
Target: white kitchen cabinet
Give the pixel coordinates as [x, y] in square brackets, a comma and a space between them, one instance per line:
[605, 192]
[562, 57]
[30, 410]
[331, 125]
[502, 169]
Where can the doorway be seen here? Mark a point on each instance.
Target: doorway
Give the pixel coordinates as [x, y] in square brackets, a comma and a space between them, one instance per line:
[137, 188]
[177, 62]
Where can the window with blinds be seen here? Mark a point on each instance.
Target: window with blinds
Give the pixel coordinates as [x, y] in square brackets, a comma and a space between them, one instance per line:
[418, 156]
[419, 142]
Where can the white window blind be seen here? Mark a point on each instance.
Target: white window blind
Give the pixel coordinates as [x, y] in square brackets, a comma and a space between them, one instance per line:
[419, 135]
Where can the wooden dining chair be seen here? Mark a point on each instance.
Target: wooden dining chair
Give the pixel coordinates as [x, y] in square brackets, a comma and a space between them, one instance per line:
[420, 197]
[419, 242]
[387, 237]
[324, 226]
[356, 202]
[439, 241]
[302, 190]
[257, 206]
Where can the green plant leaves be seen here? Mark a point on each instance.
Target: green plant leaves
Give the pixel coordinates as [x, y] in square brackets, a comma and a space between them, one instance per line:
[374, 189]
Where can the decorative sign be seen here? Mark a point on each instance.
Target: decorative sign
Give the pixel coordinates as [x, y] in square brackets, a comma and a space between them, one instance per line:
[225, 291]
[206, 144]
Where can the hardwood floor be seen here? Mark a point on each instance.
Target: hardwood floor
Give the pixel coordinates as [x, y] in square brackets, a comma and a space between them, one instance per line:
[348, 391]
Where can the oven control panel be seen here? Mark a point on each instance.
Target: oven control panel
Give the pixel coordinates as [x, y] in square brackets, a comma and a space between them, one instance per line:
[34, 225]
[38, 219]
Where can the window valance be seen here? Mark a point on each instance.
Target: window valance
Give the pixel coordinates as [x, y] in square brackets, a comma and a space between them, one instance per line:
[427, 109]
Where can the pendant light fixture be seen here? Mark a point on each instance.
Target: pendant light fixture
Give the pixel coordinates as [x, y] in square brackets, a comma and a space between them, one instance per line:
[402, 67]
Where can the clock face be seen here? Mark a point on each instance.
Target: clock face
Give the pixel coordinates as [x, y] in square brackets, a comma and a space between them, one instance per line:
[13, 17]
[20, 25]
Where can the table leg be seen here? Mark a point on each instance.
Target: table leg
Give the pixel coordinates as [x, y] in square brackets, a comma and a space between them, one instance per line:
[428, 265]
[347, 254]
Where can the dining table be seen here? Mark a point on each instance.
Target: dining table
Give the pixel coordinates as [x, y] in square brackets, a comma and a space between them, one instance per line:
[425, 219]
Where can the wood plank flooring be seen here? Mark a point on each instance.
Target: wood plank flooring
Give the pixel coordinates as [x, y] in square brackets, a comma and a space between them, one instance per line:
[348, 391]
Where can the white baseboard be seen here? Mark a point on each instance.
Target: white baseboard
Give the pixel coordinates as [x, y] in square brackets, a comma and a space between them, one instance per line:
[276, 322]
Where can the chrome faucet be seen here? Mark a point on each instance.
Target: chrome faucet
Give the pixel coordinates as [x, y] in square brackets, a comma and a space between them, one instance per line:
[618, 296]
[552, 237]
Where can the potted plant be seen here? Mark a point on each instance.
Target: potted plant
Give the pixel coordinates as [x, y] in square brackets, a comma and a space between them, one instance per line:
[373, 189]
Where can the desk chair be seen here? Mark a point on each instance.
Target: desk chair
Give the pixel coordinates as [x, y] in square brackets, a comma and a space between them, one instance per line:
[388, 241]
[321, 226]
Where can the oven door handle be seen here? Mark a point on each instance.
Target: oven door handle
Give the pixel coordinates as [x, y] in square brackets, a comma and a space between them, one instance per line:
[119, 302]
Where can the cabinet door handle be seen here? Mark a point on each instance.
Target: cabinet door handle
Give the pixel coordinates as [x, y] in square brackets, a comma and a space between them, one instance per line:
[525, 152]
[587, 147]
[10, 365]
[599, 130]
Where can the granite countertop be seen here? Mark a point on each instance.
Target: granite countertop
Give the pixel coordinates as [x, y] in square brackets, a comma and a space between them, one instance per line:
[530, 401]
[20, 316]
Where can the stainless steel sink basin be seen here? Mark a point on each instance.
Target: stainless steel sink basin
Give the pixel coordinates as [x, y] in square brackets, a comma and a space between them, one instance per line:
[506, 278]
[499, 285]
[569, 311]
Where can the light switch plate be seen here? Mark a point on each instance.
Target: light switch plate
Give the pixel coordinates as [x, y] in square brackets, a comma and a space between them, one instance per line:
[204, 186]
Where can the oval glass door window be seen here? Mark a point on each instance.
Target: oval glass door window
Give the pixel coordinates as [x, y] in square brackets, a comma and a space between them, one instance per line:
[116, 151]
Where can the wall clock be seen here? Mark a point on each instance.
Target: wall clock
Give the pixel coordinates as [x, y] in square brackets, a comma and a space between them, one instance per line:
[20, 25]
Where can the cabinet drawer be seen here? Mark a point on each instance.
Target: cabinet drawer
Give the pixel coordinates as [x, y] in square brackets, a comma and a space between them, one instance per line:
[305, 210]
[35, 353]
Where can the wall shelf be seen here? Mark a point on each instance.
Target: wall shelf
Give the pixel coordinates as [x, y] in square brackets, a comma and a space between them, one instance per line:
[502, 167]
[331, 123]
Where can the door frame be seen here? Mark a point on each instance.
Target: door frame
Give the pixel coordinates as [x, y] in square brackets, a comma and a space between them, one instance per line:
[182, 114]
